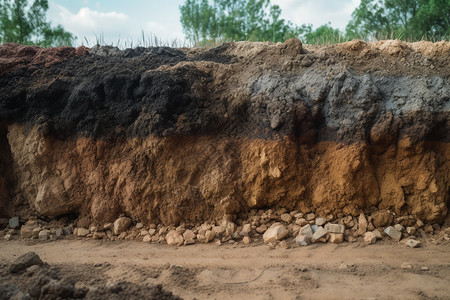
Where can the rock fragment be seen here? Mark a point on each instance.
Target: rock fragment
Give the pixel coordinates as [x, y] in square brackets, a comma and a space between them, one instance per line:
[362, 224]
[24, 261]
[336, 238]
[189, 237]
[121, 225]
[13, 222]
[286, 218]
[413, 243]
[370, 238]
[303, 240]
[393, 233]
[275, 233]
[174, 238]
[82, 232]
[321, 221]
[44, 235]
[335, 228]
[306, 230]
[246, 240]
[319, 233]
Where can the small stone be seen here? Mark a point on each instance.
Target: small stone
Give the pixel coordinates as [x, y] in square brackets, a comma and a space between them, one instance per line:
[428, 228]
[67, 230]
[108, 226]
[99, 235]
[13, 222]
[411, 230]
[121, 225]
[351, 239]
[189, 237]
[59, 232]
[26, 231]
[399, 227]
[321, 221]
[310, 217]
[413, 243]
[43, 235]
[210, 234]
[283, 245]
[406, 266]
[303, 240]
[362, 224]
[236, 236]
[82, 232]
[343, 266]
[35, 232]
[377, 234]
[393, 233]
[335, 228]
[218, 243]
[424, 269]
[319, 233]
[275, 233]
[370, 238]
[173, 238]
[336, 238]
[246, 240]
[314, 228]
[286, 218]
[147, 238]
[7, 237]
[419, 223]
[139, 225]
[218, 229]
[246, 229]
[301, 222]
[25, 261]
[382, 218]
[306, 230]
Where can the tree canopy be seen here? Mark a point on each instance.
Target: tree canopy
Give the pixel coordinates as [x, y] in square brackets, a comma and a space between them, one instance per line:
[237, 20]
[406, 19]
[258, 20]
[24, 22]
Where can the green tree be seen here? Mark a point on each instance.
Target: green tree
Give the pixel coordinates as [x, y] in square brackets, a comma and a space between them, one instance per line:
[235, 20]
[25, 23]
[406, 19]
[322, 35]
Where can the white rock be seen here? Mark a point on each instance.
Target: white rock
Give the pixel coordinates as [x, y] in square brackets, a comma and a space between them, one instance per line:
[121, 225]
[189, 237]
[335, 228]
[319, 233]
[139, 225]
[321, 221]
[393, 233]
[306, 230]
[147, 238]
[246, 229]
[174, 238]
[303, 240]
[406, 266]
[370, 238]
[43, 234]
[413, 243]
[210, 234]
[275, 233]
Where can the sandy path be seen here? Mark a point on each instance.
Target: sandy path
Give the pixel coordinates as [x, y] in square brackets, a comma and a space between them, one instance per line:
[254, 272]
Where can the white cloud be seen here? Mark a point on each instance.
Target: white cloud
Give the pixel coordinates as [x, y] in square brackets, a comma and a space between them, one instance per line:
[318, 12]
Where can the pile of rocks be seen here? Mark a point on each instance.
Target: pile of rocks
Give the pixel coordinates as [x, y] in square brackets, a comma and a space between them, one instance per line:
[280, 228]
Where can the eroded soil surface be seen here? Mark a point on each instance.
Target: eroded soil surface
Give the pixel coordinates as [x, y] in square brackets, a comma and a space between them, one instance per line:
[350, 271]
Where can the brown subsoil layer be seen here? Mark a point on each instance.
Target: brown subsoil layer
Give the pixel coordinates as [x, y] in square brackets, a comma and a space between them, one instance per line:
[179, 136]
[128, 270]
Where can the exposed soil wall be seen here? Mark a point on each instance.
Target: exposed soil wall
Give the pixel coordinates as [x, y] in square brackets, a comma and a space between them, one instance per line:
[187, 135]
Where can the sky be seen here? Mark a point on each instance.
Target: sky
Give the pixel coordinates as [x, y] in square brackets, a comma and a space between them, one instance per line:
[123, 21]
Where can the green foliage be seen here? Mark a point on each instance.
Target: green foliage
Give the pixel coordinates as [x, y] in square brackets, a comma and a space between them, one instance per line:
[405, 19]
[234, 20]
[25, 23]
[324, 34]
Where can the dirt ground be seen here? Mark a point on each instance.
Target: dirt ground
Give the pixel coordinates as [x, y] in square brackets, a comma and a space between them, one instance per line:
[320, 271]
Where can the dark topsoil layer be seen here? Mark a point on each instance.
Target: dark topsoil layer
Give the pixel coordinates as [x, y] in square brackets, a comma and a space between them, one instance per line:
[261, 90]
